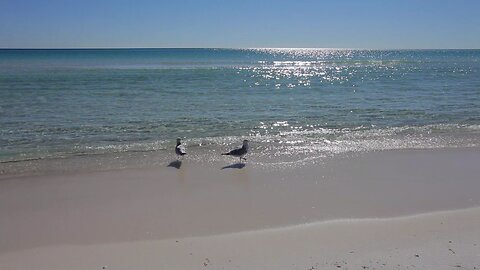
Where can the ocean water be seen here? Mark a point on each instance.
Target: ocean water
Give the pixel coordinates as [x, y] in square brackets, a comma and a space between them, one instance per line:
[292, 104]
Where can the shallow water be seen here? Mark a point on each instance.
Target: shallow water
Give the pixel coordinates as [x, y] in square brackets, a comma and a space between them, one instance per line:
[292, 104]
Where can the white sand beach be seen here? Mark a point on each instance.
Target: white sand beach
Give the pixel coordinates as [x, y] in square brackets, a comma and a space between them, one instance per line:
[399, 209]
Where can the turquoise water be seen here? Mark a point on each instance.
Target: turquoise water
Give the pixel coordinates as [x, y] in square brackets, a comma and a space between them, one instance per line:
[62, 103]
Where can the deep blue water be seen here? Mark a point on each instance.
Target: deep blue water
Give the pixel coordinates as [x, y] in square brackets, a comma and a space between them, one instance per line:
[56, 103]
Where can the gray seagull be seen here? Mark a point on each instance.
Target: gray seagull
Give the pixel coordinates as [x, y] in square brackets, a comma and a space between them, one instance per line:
[239, 152]
[180, 148]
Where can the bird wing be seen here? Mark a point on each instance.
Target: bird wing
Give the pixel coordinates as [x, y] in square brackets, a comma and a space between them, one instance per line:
[237, 152]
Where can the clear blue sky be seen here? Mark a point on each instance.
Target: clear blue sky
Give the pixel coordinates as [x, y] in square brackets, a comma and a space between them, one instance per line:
[241, 23]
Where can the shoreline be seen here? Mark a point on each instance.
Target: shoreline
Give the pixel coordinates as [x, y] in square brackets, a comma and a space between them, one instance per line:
[156, 159]
[290, 146]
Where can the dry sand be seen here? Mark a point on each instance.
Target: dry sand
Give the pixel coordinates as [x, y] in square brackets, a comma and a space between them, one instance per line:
[384, 210]
[442, 240]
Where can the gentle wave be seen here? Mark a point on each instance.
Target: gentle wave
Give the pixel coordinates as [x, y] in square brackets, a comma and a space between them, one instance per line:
[292, 143]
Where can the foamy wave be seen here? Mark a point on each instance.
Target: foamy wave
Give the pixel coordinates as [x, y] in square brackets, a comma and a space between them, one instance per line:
[291, 144]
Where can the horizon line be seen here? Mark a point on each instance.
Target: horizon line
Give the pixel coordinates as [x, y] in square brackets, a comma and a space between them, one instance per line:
[226, 48]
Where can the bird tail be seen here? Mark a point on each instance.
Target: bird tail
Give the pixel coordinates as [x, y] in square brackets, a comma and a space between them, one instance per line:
[225, 154]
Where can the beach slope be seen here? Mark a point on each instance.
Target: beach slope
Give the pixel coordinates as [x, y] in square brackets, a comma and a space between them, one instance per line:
[399, 209]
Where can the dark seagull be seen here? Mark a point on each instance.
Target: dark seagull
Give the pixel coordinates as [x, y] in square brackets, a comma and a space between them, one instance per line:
[239, 152]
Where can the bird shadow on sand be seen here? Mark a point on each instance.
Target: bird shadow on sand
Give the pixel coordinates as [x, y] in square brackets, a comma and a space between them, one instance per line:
[175, 164]
[235, 166]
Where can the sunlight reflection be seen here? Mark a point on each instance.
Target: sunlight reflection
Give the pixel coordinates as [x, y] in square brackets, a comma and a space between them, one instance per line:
[286, 68]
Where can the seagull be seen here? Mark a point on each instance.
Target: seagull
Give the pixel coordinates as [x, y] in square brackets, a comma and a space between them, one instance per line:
[239, 152]
[180, 148]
